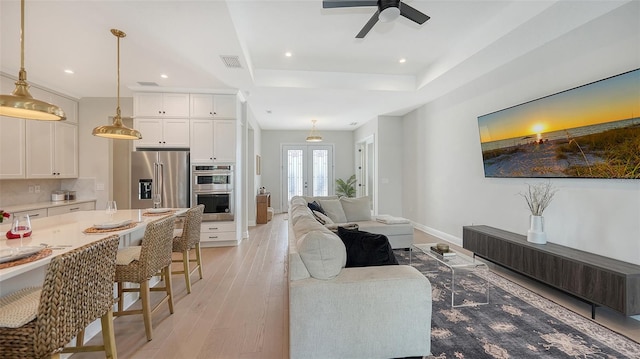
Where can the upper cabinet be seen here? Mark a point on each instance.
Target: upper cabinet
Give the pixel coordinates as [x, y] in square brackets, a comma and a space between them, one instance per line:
[51, 149]
[153, 104]
[39, 149]
[213, 141]
[213, 106]
[162, 132]
[12, 138]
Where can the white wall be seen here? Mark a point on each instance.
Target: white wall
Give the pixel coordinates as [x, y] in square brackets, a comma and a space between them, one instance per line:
[444, 184]
[387, 132]
[271, 157]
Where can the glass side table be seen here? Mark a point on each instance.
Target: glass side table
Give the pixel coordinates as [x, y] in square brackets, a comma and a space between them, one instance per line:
[467, 288]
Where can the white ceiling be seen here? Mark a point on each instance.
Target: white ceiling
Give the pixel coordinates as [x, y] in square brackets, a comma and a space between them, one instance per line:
[331, 77]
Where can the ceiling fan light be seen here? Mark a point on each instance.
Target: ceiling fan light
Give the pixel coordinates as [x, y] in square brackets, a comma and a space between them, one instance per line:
[389, 14]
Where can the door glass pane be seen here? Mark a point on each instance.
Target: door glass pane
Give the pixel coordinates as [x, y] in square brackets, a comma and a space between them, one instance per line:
[295, 173]
[320, 172]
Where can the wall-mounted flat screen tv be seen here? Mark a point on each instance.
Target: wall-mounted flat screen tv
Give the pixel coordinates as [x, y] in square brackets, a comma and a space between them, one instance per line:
[591, 131]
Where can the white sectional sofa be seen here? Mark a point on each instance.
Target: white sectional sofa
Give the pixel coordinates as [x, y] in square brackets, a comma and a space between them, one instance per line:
[357, 210]
[350, 313]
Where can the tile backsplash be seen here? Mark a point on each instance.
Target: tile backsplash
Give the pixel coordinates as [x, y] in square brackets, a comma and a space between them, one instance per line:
[25, 191]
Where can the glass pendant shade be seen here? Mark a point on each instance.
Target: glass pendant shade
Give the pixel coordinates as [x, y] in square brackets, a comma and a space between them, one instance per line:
[117, 130]
[313, 135]
[20, 103]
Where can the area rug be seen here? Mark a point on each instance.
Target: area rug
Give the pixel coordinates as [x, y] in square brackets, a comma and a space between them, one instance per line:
[517, 323]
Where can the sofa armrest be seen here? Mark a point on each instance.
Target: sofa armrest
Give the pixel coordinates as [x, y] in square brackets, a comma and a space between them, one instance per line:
[368, 312]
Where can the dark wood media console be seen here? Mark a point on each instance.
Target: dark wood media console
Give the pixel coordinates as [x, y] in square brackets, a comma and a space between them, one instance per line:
[598, 280]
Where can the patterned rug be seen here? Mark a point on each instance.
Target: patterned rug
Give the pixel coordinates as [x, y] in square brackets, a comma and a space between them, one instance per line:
[517, 323]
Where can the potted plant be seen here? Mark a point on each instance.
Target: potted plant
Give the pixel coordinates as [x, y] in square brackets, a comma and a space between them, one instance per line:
[346, 188]
[538, 197]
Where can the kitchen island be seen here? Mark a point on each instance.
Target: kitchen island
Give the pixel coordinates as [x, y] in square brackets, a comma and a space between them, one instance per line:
[64, 233]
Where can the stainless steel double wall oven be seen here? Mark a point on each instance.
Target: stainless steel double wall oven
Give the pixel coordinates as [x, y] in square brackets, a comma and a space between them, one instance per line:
[212, 186]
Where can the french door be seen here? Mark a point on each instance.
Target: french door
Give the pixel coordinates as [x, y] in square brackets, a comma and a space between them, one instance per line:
[307, 171]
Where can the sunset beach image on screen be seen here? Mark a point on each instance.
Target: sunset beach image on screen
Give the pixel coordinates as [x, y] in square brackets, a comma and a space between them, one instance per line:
[591, 131]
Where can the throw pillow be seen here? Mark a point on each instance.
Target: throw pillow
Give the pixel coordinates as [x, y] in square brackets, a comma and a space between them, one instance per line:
[333, 209]
[366, 249]
[322, 218]
[315, 206]
[322, 253]
[356, 209]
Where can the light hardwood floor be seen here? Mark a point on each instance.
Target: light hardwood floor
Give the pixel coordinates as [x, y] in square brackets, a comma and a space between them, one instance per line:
[240, 308]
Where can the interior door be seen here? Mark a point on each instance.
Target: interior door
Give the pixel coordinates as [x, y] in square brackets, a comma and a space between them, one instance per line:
[307, 171]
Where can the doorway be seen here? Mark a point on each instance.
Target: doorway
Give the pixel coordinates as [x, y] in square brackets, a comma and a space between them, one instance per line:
[366, 167]
[307, 171]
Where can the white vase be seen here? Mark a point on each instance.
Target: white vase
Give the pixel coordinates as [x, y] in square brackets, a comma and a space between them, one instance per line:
[536, 234]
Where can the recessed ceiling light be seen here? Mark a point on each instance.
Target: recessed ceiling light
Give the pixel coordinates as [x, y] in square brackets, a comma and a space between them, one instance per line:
[288, 54]
[402, 60]
[164, 76]
[68, 71]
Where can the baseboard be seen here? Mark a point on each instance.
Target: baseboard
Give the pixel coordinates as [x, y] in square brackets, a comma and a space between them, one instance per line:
[436, 233]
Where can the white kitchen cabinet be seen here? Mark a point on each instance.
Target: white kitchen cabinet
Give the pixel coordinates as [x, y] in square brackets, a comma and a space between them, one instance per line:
[85, 206]
[224, 140]
[201, 149]
[12, 148]
[217, 233]
[213, 140]
[159, 132]
[160, 104]
[213, 106]
[51, 149]
[33, 213]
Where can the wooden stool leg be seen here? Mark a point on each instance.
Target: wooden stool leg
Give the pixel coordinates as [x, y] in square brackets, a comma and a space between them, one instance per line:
[146, 308]
[120, 297]
[108, 335]
[185, 265]
[198, 259]
[167, 274]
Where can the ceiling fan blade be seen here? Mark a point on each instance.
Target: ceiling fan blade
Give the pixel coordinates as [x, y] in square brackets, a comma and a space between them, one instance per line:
[413, 14]
[368, 26]
[328, 4]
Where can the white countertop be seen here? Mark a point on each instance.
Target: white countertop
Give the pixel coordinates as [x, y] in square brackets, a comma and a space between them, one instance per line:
[42, 205]
[67, 230]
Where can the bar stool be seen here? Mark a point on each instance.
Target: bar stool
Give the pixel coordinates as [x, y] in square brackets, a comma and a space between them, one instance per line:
[138, 264]
[188, 239]
[77, 290]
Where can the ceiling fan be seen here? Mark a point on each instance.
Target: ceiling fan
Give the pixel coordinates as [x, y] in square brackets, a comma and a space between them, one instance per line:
[388, 10]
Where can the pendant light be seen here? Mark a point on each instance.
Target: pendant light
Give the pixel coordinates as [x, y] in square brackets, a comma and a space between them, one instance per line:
[20, 103]
[117, 130]
[313, 135]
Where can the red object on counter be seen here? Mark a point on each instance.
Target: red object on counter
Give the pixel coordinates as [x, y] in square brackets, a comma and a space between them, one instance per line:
[16, 236]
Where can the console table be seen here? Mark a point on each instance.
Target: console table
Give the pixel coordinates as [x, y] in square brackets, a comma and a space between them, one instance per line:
[263, 202]
[598, 280]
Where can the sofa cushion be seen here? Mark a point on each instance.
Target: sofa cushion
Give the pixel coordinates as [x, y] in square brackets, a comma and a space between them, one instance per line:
[356, 209]
[333, 209]
[306, 224]
[366, 249]
[323, 253]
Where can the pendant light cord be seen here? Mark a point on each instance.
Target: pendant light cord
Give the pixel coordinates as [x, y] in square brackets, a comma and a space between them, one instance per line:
[118, 91]
[22, 75]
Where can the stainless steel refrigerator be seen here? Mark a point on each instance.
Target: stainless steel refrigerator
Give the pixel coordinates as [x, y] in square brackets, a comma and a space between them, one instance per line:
[164, 172]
